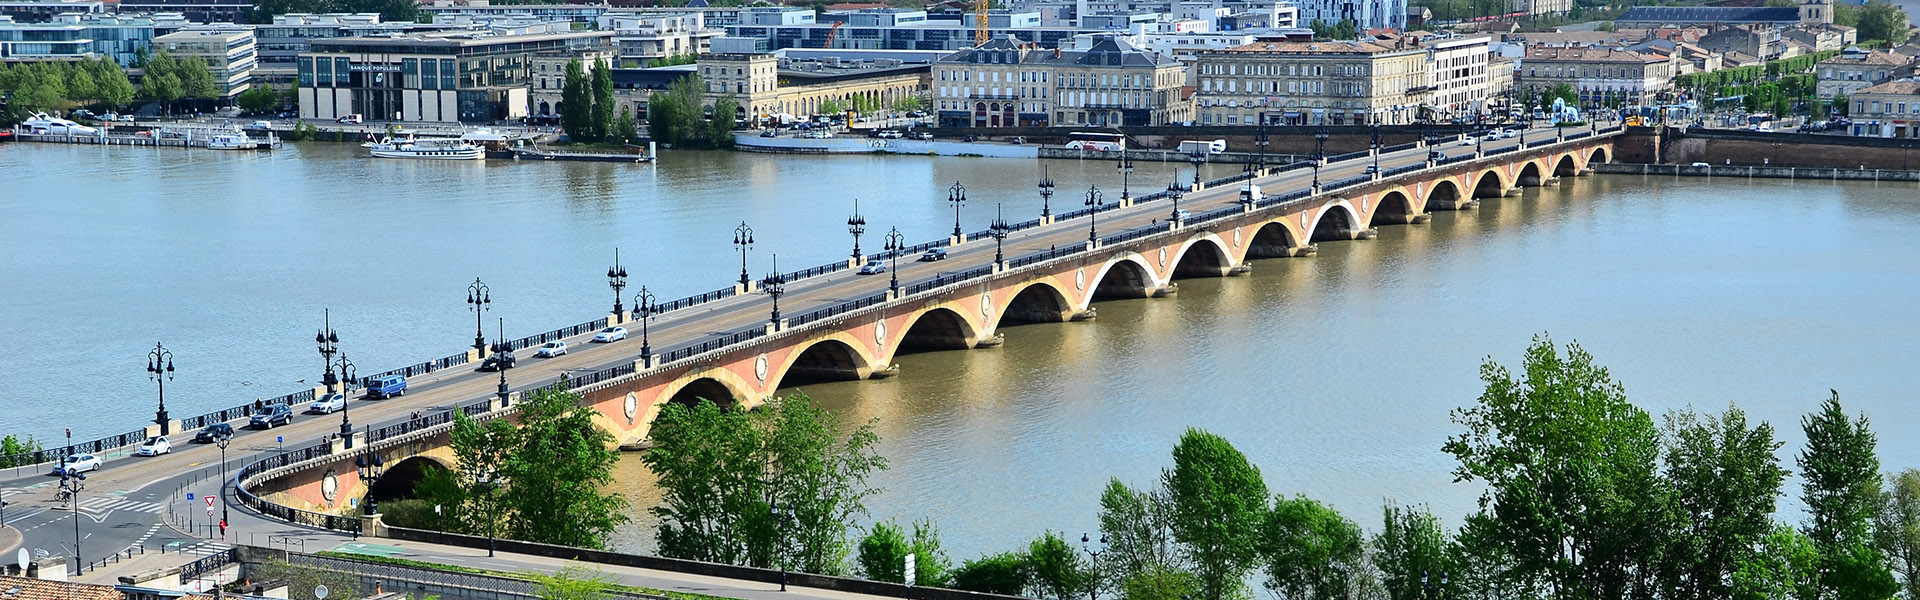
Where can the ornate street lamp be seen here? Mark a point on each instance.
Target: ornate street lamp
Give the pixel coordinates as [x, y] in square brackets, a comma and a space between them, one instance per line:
[1260, 140]
[1093, 591]
[895, 244]
[1197, 159]
[957, 195]
[500, 348]
[743, 239]
[856, 225]
[1093, 213]
[643, 307]
[70, 482]
[617, 279]
[1320, 145]
[1046, 193]
[999, 229]
[222, 441]
[1175, 192]
[1376, 147]
[478, 300]
[775, 286]
[346, 375]
[160, 371]
[1126, 174]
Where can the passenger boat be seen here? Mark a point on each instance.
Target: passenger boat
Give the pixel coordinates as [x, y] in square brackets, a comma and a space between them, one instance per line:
[240, 141]
[428, 148]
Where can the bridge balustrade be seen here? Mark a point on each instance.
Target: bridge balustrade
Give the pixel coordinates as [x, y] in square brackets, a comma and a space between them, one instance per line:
[844, 307]
[692, 300]
[1137, 233]
[1399, 147]
[1348, 156]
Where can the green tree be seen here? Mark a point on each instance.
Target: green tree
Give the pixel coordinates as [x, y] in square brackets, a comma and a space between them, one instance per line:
[1881, 20]
[163, 88]
[604, 108]
[831, 107]
[1724, 476]
[624, 129]
[1784, 565]
[1896, 528]
[719, 133]
[196, 82]
[721, 473]
[113, 87]
[1840, 475]
[571, 582]
[1573, 493]
[882, 554]
[1411, 543]
[576, 103]
[1138, 527]
[1056, 569]
[1310, 550]
[1218, 501]
[258, 99]
[907, 104]
[12, 447]
[81, 87]
[554, 476]
[1005, 574]
[1159, 583]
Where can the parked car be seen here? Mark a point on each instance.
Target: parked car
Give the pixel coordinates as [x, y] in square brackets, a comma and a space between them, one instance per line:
[78, 463]
[1700, 165]
[920, 135]
[610, 334]
[1436, 155]
[266, 416]
[328, 403]
[769, 133]
[1182, 215]
[214, 433]
[387, 387]
[1468, 141]
[917, 114]
[551, 349]
[350, 119]
[260, 125]
[933, 254]
[1371, 169]
[497, 362]
[154, 446]
[874, 266]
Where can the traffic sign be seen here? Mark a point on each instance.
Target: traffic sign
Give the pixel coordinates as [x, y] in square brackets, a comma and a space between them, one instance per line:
[209, 501]
[189, 496]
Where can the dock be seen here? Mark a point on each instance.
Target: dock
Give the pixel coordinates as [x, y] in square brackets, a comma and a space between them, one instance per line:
[159, 137]
[634, 154]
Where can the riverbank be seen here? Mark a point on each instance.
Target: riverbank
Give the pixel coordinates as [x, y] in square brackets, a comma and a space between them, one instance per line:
[1757, 171]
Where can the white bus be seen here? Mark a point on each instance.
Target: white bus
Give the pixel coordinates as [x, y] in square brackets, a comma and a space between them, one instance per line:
[1096, 141]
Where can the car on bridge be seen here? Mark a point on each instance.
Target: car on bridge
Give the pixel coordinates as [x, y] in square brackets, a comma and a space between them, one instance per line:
[387, 387]
[76, 464]
[329, 403]
[874, 266]
[551, 349]
[497, 362]
[610, 334]
[214, 433]
[265, 416]
[933, 254]
[154, 446]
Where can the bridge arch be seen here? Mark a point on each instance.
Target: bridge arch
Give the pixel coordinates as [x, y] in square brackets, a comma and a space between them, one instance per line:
[1276, 238]
[1393, 208]
[716, 385]
[1203, 255]
[1489, 185]
[1600, 155]
[1445, 195]
[1336, 220]
[1531, 174]
[400, 478]
[1566, 167]
[1038, 301]
[937, 328]
[835, 357]
[1124, 276]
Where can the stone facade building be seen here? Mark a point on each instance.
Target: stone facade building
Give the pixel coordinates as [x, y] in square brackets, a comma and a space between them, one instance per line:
[1856, 69]
[1597, 74]
[766, 85]
[1312, 83]
[1007, 83]
[1891, 109]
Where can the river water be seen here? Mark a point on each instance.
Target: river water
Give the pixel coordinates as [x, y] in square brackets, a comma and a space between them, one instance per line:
[1334, 373]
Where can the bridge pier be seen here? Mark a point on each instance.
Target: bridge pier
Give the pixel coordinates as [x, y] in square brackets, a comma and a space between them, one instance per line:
[1452, 204]
[1239, 269]
[992, 341]
[888, 372]
[1420, 219]
[1278, 251]
[1397, 219]
[1164, 291]
[1084, 315]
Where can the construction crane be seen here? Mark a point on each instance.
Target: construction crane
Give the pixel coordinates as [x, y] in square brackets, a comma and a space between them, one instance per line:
[831, 32]
[979, 22]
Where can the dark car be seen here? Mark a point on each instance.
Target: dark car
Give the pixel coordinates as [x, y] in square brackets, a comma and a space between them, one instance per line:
[933, 254]
[497, 362]
[267, 416]
[213, 433]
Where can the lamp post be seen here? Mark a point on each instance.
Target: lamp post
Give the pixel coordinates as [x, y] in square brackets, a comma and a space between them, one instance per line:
[224, 478]
[999, 229]
[957, 195]
[1046, 194]
[1260, 139]
[775, 286]
[328, 343]
[743, 239]
[643, 305]
[895, 243]
[1093, 214]
[479, 299]
[856, 225]
[1197, 159]
[1320, 145]
[1125, 167]
[1175, 192]
[70, 482]
[346, 375]
[1093, 591]
[160, 370]
[781, 513]
[1376, 147]
[617, 279]
[500, 347]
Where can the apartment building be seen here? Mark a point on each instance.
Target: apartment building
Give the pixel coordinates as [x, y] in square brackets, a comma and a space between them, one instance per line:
[1597, 74]
[765, 85]
[445, 77]
[82, 35]
[1887, 110]
[41, 11]
[1855, 69]
[1365, 14]
[1008, 83]
[1312, 83]
[229, 54]
[640, 37]
[1460, 82]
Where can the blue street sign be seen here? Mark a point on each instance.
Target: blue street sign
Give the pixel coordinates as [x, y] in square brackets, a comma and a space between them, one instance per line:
[189, 495]
[280, 439]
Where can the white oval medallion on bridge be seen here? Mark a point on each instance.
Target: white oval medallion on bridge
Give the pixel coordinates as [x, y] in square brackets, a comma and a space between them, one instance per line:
[632, 406]
[1080, 279]
[330, 486]
[1236, 237]
[880, 333]
[1163, 258]
[760, 368]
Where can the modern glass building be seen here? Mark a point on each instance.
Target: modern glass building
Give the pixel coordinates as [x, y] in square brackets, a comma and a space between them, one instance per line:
[465, 76]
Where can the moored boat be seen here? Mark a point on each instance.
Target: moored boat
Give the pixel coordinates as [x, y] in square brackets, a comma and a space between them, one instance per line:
[429, 148]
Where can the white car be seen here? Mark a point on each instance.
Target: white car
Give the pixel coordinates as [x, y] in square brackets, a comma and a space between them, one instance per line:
[610, 334]
[330, 403]
[78, 463]
[873, 267]
[551, 349]
[154, 446]
[1468, 141]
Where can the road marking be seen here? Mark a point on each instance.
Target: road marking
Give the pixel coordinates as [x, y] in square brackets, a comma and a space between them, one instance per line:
[207, 548]
[142, 541]
[110, 504]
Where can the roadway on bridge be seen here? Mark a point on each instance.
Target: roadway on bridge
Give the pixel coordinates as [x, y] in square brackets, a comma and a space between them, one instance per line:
[122, 503]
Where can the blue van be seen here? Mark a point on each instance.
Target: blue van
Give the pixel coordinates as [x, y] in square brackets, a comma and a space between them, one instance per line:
[387, 387]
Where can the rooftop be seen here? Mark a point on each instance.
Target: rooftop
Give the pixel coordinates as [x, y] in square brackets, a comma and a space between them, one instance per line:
[1869, 58]
[1903, 87]
[1586, 54]
[1711, 14]
[1332, 47]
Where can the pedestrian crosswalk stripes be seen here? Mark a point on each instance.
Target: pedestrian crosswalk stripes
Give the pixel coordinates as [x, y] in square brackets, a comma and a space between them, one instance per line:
[109, 503]
[207, 548]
